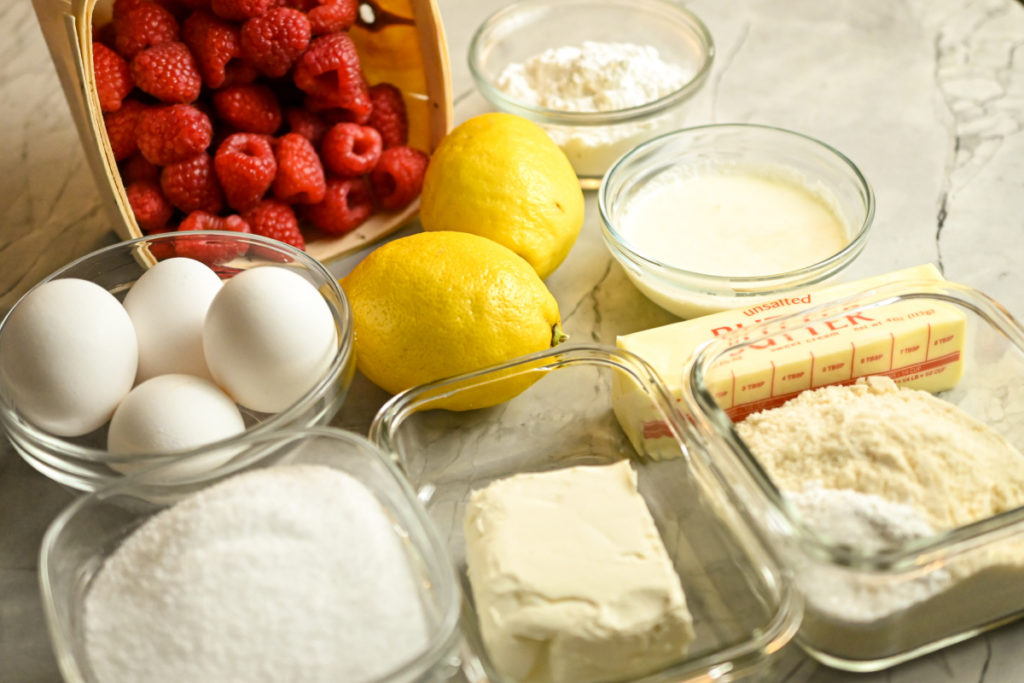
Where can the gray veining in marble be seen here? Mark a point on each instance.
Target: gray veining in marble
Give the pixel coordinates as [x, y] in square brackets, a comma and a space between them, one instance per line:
[927, 96]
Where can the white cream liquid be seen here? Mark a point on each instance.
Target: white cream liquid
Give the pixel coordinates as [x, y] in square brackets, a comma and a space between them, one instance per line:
[739, 222]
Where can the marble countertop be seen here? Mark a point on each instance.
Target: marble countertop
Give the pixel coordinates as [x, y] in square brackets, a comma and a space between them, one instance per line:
[926, 96]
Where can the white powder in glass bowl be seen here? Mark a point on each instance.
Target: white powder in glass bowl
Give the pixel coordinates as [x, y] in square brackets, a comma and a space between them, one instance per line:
[867, 523]
[596, 77]
[592, 77]
[280, 574]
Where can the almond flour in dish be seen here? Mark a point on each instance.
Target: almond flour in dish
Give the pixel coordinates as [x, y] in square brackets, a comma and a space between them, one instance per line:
[904, 445]
[904, 462]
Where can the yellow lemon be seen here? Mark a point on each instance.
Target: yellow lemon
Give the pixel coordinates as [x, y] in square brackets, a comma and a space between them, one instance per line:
[500, 176]
[436, 304]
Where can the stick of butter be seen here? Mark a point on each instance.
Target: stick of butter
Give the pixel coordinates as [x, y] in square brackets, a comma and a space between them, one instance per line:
[918, 343]
[571, 579]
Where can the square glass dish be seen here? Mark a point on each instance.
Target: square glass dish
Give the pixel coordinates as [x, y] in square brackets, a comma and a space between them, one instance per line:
[92, 528]
[868, 608]
[741, 604]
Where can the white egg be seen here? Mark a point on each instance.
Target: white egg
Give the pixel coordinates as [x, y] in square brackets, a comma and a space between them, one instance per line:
[68, 354]
[269, 338]
[171, 413]
[167, 305]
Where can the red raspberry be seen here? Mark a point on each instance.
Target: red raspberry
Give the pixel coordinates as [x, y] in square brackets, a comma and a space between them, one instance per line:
[349, 149]
[388, 115]
[333, 16]
[113, 77]
[276, 220]
[246, 168]
[329, 70]
[121, 8]
[164, 249]
[216, 46]
[146, 25]
[306, 123]
[398, 176]
[168, 73]
[191, 185]
[347, 203]
[300, 177]
[251, 108]
[104, 34]
[240, 10]
[137, 168]
[172, 133]
[274, 41]
[120, 127]
[240, 72]
[151, 208]
[328, 113]
[211, 249]
[193, 5]
[327, 109]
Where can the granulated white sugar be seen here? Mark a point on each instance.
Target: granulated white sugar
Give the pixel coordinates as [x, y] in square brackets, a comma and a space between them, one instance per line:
[290, 573]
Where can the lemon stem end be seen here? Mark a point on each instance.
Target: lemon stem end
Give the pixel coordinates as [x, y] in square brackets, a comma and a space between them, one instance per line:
[558, 335]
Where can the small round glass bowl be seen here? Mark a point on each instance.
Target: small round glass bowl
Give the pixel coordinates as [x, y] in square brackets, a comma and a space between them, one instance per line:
[593, 140]
[86, 533]
[83, 463]
[798, 160]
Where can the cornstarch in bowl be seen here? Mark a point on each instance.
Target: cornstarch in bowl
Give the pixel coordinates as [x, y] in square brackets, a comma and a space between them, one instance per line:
[594, 77]
[599, 76]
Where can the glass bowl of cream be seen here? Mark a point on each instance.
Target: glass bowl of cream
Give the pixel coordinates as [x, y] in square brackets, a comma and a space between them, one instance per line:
[721, 216]
[600, 76]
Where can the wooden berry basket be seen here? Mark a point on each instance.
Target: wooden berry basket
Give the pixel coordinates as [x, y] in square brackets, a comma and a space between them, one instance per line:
[399, 41]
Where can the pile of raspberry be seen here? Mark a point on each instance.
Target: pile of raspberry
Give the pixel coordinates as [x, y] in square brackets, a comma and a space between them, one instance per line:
[250, 115]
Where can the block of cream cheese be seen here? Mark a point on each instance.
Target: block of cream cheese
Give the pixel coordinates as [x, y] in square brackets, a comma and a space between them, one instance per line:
[571, 579]
[918, 343]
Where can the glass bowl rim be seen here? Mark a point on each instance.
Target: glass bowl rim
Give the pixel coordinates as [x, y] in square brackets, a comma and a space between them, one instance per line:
[711, 422]
[442, 639]
[758, 284]
[340, 312]
[738, 657]
[545, 115]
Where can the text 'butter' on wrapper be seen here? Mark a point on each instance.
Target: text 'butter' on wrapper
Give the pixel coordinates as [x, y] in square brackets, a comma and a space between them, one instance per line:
[918, 343]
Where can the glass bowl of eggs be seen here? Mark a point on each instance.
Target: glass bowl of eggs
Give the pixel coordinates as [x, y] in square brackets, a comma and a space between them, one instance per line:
[179, 346]
[600, 76]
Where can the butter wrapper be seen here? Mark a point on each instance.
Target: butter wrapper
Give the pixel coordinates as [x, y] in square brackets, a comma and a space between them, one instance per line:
[917, 343]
